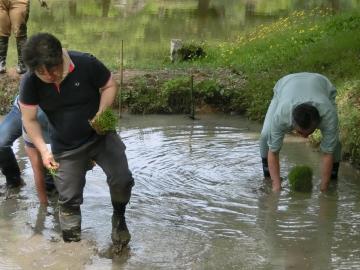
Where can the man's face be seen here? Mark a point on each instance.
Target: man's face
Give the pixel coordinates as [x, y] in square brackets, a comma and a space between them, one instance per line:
[303, 132]
[51, 75]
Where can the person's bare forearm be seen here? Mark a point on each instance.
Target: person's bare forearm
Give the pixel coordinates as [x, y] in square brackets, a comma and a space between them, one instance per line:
[108, 95]
[33, 130]
[38, 169]
[327, 164]
[274, 168]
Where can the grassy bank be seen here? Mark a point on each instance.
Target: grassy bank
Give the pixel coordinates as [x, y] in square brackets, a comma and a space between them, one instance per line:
[313, 41]
[239, 75]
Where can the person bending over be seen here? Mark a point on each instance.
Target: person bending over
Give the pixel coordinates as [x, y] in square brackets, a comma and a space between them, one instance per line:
[302, 102]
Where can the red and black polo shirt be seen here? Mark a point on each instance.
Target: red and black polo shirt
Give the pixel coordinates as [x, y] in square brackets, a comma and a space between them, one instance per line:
[71, 105]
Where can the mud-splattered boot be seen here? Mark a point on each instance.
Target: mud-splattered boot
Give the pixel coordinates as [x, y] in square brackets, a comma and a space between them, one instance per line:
[120, 234]
[20, 68]
[3, 51]
[70, 223]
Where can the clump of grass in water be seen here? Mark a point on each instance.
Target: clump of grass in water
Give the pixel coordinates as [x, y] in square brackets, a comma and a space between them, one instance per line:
[300, 178]
[105, 122]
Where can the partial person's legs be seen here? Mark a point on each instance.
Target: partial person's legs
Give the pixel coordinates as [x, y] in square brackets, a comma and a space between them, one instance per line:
[70, 182]
[5, 31]
[10, 130]
[109, 154]
[3, 51]
[19, 14]
[337, 159]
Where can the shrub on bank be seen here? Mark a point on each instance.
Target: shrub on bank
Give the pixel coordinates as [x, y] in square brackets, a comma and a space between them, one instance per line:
[170, 92]
[349, 114]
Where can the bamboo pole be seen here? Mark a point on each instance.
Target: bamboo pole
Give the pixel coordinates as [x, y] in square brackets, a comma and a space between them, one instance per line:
[192, 98]
[121, 75]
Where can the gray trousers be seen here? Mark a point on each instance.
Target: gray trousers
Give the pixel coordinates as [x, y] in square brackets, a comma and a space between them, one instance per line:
[109, 153]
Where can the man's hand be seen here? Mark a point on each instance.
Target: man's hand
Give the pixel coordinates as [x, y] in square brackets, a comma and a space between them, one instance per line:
[274, 168]
[276, 186]
[49, 161]
[43, 4]
[327, 164]
[324, 186]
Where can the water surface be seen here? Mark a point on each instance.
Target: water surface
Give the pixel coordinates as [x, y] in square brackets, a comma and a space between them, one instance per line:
[147, 26]
[200, 202]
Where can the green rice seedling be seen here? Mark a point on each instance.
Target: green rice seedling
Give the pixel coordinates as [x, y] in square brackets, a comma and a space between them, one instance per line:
[300, 178]
[105, 122]
[52, 171]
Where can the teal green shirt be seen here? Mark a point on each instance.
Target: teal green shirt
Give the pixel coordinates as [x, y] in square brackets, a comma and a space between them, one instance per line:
[298, 88]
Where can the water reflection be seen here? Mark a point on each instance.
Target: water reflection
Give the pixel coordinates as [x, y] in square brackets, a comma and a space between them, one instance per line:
[199, 202]
[148, 26]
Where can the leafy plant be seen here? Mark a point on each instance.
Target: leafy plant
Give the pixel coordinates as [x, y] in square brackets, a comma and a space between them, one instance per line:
[349, 114]
[105, 122]
[300, 178]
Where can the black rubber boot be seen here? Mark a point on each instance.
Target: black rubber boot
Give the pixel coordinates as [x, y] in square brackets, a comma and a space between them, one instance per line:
[70, 223]
[120, 234]
[10, 168]
[335, 170]
[20, 41]
[265, 167]
[3, 51]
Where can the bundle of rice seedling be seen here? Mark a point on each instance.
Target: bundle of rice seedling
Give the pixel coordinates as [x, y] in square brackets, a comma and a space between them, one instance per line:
[300, 178]
[105, 122]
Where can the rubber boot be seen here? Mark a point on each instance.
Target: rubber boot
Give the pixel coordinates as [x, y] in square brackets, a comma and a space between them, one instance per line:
[20, 41]
[3, 51]
[10, 168]
[120, 234]
[265, 167]
[335, 170]
[70, 223]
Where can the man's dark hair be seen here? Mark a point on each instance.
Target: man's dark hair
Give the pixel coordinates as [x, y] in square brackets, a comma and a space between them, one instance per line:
[42, 49]
[306, 116]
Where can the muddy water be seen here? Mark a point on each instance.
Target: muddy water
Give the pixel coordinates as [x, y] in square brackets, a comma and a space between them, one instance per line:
[200, 202]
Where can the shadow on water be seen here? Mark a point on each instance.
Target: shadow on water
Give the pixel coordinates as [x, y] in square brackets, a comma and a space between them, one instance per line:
[200, 202]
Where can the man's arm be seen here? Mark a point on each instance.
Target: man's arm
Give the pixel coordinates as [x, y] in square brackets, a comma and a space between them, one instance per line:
[38, 169]
[108, 94]
[33, 129]
[327, 164]
[274, 168]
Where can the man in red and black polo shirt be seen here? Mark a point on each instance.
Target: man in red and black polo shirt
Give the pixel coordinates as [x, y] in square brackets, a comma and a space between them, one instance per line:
[72, 88]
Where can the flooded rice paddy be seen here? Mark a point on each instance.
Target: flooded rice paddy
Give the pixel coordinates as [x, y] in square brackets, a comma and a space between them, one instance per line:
[200, 202]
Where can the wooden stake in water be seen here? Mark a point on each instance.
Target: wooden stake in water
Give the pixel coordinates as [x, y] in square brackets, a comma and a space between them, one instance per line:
[121, 75]
[192, 98]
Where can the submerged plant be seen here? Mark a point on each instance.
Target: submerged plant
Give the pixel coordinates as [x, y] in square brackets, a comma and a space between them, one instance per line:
[300, 178]
[105, 122]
